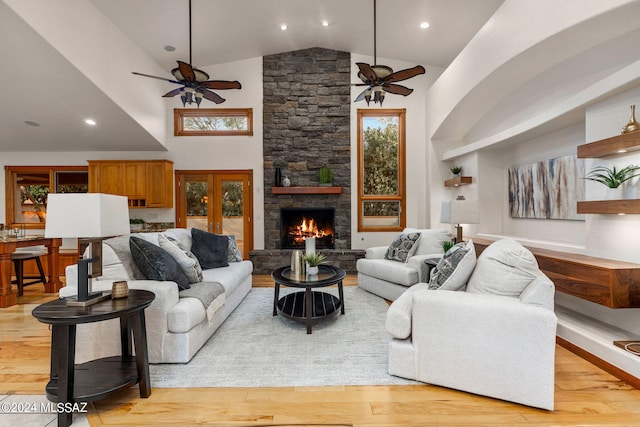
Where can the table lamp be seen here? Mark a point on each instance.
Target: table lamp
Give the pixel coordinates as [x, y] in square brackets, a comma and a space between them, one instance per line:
[459, 212]
[89, 217]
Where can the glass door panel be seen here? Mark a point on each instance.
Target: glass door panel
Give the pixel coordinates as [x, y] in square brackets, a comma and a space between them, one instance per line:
[232, 201]
[197, 197]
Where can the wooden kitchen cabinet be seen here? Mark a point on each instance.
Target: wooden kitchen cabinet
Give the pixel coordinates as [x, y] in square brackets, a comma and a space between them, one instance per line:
[146, 183]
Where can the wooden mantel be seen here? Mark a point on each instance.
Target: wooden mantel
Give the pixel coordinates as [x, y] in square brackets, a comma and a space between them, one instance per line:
[614, 284]
[306, 190]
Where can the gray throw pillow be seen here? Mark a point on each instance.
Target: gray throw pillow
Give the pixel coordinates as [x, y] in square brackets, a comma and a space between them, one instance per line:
[210, 249]
[403, 247]
[156, 263]
[185, 259]
[454, 268]
[234, 254]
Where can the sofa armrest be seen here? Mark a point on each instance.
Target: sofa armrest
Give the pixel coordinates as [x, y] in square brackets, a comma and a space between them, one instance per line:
[376, 252]
[417, 262]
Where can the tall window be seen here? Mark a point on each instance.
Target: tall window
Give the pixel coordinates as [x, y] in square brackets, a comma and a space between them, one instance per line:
[212, 121]
[381, 169]
[29, 186]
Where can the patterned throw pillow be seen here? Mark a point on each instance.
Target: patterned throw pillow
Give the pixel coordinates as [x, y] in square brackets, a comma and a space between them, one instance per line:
[185, 259]
[403, 247]
[454, 268]
[234, 254]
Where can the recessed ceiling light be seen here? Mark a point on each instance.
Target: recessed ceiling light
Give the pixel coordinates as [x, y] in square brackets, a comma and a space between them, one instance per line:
[169, 48]
[90, 122]
[424, 25]
[31, 123]
[325, 23]
[283, 27]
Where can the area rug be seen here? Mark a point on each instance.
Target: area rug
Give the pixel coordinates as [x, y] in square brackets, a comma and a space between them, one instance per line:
[252, 348]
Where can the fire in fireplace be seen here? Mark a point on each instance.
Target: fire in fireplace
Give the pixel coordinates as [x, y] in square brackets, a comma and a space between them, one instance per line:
[296, 224]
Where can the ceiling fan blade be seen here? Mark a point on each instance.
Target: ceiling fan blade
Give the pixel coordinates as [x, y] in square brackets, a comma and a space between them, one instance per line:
[396, 89]
[154, 77]
[361, 96]
[367, 71]
[173, 92]
[405, 74]
[221, 84]
[187, 71]
[212, 96]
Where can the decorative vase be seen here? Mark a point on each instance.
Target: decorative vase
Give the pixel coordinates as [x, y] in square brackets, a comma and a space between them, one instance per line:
[633, 125]
[312, 271]
[119, 289]
[278, 178]
[310, 245]
[286, 181]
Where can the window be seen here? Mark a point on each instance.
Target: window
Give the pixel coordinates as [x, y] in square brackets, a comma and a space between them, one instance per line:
[28, 187]
[212, 121]
[381, 169]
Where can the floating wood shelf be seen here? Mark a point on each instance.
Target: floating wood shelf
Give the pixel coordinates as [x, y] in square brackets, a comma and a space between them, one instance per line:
[613, 146]
[458, 181]
[614, 284]
[306, 190]
[628, 206]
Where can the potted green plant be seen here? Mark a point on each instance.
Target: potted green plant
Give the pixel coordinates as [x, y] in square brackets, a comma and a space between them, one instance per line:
[613, 177]
[313, 261]
[456, 170]
[446, 245]
[136, 224]
[325, 176]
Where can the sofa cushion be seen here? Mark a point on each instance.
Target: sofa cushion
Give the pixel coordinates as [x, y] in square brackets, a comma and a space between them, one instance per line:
[430, 239]
[156, 263]
[454, 268]
[390, 271]
[210, 249]
[504, 268]
[230, 277]
[185, 259]
[402, 247]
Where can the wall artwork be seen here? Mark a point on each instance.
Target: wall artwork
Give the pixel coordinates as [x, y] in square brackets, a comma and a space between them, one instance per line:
[548, 189]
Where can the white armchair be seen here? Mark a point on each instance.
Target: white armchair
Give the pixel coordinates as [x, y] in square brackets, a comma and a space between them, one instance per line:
[388, 278]
[497, 339]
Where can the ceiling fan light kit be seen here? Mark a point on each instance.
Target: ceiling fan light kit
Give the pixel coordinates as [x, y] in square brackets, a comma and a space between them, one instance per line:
[381, 78]
[195, 83]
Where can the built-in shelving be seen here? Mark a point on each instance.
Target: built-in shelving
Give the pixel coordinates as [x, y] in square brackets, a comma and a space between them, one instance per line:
[306, 190]
[630, 206]
[458, 181]
[613, 146]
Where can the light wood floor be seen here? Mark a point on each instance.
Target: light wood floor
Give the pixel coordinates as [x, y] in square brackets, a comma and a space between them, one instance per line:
[585, 395]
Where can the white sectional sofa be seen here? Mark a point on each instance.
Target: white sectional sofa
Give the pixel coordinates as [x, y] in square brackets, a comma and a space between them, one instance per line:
[176, 327]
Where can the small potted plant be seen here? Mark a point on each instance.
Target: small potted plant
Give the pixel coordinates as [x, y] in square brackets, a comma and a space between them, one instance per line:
[456, 170]
[325, 176]
[313, 261]
[136, 224]
[613, 177]
[446, 245]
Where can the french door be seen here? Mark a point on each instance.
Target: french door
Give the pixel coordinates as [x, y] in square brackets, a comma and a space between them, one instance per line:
[219, 202]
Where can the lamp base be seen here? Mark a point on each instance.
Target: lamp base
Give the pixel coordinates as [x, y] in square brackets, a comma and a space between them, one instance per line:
[91, 299]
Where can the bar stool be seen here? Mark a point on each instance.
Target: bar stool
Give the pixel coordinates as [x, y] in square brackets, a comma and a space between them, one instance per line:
[18, 258]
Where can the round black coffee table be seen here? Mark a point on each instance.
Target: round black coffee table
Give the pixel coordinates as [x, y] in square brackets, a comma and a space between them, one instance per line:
[294, 306]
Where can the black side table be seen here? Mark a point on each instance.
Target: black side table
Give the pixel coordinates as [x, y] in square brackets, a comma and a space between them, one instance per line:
[96, 379]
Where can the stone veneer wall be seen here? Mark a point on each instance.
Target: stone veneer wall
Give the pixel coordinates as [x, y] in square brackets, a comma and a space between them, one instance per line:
[307, 125]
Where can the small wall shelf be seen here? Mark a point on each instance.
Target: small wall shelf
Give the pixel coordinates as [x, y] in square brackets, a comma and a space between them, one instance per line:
[458, 181]
[613, 146]
[629, 206]
[306, 190]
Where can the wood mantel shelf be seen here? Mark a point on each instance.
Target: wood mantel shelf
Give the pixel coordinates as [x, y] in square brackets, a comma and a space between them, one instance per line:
[613, 146]
[614, 284]
[306, 190]
[626, 206]
[458, 181]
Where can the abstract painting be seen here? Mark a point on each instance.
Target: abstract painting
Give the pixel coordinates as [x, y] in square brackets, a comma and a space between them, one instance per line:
[548, 189]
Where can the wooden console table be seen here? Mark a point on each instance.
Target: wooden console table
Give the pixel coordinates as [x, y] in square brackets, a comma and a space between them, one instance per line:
[614, 284]
[8, 246]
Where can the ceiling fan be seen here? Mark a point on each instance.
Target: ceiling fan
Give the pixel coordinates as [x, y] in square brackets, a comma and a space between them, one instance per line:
[195, 83]
[381, 78]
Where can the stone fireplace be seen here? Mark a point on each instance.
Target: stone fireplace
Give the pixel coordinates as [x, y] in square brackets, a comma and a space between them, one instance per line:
[306, 125]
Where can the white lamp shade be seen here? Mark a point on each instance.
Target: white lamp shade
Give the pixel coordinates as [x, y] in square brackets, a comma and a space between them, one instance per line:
[459, 212]
[86, 215]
